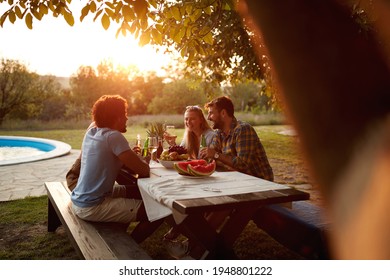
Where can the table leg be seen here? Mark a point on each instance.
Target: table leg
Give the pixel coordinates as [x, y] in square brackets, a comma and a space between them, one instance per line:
[218, 245]
[234, 225]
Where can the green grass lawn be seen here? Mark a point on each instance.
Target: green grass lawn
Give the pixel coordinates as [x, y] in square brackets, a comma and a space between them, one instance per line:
[23, 223]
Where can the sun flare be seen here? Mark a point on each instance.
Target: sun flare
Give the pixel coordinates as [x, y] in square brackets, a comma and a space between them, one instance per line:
[52, 47]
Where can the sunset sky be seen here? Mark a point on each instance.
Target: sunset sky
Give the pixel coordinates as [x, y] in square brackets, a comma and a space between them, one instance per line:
[53, 47]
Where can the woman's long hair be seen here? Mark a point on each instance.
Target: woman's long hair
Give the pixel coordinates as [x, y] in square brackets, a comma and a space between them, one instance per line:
[191, 141]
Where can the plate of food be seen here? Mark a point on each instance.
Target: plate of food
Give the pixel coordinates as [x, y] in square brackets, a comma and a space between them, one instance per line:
[174, 154]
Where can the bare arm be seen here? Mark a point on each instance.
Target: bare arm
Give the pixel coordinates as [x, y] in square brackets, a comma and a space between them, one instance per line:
[135, 163]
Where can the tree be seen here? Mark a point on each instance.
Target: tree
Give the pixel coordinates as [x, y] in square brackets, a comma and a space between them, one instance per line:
[176, 96]
[38, 99]
[249, 96]
[209, 34]
[143, 90]
[15, 83]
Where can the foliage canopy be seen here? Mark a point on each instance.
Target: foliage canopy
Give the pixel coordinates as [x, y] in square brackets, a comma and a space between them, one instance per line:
[209, 34]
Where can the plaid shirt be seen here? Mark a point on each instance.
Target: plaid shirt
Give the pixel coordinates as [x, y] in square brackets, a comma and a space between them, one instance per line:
[243, 144]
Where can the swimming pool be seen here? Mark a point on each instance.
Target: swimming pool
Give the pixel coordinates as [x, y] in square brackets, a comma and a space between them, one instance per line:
[15, 150]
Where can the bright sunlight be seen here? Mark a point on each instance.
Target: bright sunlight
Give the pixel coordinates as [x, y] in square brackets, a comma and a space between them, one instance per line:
[54, 48]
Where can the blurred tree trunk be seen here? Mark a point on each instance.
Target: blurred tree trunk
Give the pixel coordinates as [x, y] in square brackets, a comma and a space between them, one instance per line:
[334, 79]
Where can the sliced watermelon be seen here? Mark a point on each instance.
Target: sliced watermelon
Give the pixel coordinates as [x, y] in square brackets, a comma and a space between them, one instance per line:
[202, 170]
[181, 167]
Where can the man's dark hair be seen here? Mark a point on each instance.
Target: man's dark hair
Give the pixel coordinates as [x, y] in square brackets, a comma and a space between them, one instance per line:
[107, 109]
[221, 103]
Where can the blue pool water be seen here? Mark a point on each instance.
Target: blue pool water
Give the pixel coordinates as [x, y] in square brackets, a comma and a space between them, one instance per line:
[14, 150]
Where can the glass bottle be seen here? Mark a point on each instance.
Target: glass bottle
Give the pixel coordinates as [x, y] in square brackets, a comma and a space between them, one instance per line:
[203, 142]
[138, 141]
[145, 149]
[159, 147]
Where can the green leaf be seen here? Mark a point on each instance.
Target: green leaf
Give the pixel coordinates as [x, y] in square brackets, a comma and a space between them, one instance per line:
[144, 24]
[110, 13]
[176, 13]
[12, 17]
[153, 3]
[183, 52]
[157, 36]
[92, 6]
[144, 38]
[188, 33]
[2, 19]
[209, 38]
[51, 7]
[159, 27]
[227, 7]
[84, 12]
[134, 26]
[109, 4]
[208, 10]
[97, 14]
[36, 13]
[128, 13]
[43, 9]
[187, 21]
[105, 21]
[69, 18]
[195, 15]
[189, 8]
[191, 55]
[18, 12]
[29, 20]
[179, 36]
[140, 8]
[118, 8]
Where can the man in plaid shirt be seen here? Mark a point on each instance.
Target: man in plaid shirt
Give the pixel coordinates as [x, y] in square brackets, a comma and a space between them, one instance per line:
[236, 144]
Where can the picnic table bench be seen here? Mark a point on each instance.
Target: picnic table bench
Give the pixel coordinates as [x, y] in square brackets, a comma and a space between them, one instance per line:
[302, 227]
[92, 240]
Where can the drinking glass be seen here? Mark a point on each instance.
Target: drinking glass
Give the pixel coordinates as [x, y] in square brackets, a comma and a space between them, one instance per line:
[153, 144]
[170, 129]
[170, 136]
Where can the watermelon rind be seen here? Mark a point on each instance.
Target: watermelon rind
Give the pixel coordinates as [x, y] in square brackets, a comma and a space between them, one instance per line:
[193, 172]
[181, 167]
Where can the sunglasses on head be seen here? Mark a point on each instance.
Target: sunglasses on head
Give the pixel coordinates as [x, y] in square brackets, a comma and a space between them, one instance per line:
[193, 107]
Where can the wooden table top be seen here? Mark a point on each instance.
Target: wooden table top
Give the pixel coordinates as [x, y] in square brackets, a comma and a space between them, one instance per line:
[195, 205]
[263, 192]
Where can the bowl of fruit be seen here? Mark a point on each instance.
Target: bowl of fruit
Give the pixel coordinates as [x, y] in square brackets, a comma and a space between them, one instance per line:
[173, 154]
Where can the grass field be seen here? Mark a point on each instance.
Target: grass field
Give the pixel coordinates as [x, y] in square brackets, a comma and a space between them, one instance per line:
[23, 222]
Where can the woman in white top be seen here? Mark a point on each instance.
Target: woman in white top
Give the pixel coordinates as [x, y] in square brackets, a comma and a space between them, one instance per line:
[196, 125]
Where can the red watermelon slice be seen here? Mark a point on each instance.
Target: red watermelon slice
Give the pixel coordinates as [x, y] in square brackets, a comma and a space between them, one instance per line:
[181, 167]
[202, 170]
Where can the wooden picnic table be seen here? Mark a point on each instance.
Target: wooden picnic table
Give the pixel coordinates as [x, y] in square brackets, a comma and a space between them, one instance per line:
[188, 201]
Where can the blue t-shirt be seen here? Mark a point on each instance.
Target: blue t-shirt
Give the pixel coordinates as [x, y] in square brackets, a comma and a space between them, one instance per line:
[100, 165]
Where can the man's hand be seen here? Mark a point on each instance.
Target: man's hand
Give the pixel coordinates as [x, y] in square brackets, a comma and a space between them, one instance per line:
[137, 150]
[207, 153]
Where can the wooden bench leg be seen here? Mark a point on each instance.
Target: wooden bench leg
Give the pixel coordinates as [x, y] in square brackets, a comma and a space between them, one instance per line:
[144, 229]
[53, 222]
